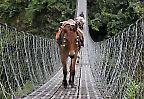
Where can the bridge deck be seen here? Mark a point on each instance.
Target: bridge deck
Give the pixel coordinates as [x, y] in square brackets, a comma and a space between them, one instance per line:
[85, 85]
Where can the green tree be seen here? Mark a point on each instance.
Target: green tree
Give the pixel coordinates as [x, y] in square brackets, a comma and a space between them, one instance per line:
[112, 15]
[40, 17]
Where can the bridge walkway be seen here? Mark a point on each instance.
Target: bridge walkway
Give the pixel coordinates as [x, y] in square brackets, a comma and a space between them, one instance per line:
[85, 85]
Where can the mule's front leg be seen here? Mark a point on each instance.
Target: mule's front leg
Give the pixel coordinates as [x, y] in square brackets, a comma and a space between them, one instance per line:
[64, 57]
[65, 76]
[72, 72]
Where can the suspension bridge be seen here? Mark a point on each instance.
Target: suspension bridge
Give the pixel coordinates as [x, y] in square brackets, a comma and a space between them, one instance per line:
[30, 66]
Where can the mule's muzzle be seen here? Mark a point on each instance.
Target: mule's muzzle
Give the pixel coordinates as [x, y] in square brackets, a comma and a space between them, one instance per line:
[71, 54]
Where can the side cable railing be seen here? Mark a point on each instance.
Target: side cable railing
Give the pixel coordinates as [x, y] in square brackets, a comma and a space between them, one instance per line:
[118, 62]
[26, 62]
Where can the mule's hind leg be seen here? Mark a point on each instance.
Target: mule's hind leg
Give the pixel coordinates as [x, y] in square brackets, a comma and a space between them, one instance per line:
[78, 57]
[71, 80]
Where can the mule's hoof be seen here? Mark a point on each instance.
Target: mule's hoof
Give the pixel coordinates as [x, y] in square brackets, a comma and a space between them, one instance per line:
[72, 84]
[65, 84]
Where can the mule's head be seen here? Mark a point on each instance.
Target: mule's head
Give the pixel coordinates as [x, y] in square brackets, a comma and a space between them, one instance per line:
[70, 39]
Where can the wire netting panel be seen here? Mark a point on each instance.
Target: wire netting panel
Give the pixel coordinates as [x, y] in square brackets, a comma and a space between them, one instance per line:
[118, 62]
[26, 62]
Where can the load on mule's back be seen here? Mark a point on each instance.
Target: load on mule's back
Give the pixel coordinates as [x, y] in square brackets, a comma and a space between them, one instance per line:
[69, 42]
[80, 20]
[77, 24]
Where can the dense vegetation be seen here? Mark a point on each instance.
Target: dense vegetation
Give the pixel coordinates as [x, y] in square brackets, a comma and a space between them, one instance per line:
[108, 17]
[40, 17]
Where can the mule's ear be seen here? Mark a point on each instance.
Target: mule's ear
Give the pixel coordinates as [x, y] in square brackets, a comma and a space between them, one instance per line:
[58, 34]
[63, 29]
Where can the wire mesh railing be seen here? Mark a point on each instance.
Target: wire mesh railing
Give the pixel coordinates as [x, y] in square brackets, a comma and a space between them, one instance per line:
[26, 62]
[118, 63]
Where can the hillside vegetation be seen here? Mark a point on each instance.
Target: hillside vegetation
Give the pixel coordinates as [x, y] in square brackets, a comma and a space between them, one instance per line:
[108, 17]
[40, 17]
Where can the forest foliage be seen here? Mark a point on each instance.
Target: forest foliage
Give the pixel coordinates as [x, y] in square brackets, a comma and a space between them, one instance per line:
[109, 17]
[42, 17]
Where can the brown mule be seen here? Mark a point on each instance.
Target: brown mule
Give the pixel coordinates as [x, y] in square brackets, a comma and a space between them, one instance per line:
[69, 41]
